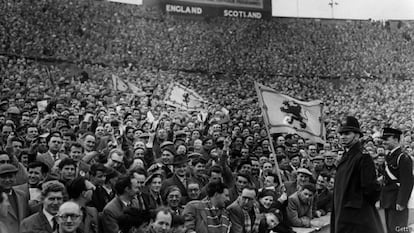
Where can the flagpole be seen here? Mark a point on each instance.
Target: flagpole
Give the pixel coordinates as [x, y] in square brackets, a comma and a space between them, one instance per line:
[267, 125]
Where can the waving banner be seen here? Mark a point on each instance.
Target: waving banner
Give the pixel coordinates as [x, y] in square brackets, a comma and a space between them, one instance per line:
[284, 114]
[183, 98]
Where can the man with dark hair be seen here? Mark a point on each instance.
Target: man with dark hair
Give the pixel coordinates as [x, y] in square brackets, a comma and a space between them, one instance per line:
[398, 182]
[67, 170]
[209, 215]
[356, 187]
[244, 212]
[52, 196]
[242, 180]
[103, 192]
[76, 152]
[126, 188]
[54, 142]
[37, 173]
[161, 221]
[299, 209]
[322, 197]
[141, 200]
[80, 191]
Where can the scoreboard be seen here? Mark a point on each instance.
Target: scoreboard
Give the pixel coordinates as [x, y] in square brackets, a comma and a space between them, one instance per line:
[249, 9]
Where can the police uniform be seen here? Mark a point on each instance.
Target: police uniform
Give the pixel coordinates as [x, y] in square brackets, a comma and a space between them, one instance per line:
[398, 184]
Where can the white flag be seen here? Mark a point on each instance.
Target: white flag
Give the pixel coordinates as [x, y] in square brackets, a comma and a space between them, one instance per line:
[183, 98]
[119, 84]
[284, 114]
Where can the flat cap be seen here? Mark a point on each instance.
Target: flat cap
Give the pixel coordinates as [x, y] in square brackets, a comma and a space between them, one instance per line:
[7, 168]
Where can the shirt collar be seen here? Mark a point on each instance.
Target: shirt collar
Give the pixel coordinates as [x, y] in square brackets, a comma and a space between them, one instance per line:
[49, 217]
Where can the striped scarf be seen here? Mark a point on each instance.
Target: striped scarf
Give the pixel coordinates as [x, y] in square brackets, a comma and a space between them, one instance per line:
[216, 222]
[248, 222]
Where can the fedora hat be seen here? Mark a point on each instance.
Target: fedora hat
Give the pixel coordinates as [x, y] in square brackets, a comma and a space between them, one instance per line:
[350, 124]
[180, 159]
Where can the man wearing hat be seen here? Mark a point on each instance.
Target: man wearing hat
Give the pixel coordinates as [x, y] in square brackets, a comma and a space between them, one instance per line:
[356, 188]
[398, 181]
[179, 178]
[303, 176]
[18, 208]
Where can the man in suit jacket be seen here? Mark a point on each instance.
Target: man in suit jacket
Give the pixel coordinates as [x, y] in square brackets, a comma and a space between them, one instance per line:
[80, 191]
[126, 189]
[54, 141]
[45, 220]
[244, 212]
[398, 182]
[103, 193]
[299, 209]
[18, 208]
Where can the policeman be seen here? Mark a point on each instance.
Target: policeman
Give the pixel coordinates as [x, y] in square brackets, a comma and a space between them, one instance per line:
[398, 182]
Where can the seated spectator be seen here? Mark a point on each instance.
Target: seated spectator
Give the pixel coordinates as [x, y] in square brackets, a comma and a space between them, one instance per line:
[322, 197]
[299, 209]
[303, 176]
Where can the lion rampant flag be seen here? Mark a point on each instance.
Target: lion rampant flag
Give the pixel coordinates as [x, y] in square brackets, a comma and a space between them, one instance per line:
[284, 114]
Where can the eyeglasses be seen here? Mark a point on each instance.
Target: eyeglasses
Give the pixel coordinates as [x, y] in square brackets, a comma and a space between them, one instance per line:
[65, 217]
[5, 161]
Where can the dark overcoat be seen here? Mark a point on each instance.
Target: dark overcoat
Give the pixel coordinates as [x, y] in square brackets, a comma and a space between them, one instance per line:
[355, 192]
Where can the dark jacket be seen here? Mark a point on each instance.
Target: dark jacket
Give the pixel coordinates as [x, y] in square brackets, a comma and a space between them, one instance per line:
[392, 193]
[36, 223]
[322, 202]
[355, 192]
[100, 198]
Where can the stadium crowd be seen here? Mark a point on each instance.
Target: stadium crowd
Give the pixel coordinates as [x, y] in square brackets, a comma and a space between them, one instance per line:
[132, 164]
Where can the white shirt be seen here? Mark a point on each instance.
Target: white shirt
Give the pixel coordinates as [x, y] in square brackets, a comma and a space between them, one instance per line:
[35, 194]
[49, 217]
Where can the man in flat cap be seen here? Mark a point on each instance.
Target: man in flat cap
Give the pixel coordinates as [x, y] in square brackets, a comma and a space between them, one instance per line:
[356, 187]
[398, 181]
[18, 208]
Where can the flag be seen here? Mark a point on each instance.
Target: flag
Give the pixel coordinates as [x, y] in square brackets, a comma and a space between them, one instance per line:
[134, 2]
[284, 114]
[183, 98]
[119, 84]
[137, 91]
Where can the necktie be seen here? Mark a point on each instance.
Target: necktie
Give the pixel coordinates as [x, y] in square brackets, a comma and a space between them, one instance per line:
[141, 202]
[54, 223]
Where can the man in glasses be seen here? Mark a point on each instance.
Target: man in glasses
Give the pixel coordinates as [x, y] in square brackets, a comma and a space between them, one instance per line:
[18, 208]
[69, 217]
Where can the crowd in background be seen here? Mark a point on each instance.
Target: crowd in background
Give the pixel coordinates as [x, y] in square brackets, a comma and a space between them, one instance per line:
[65, 129]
